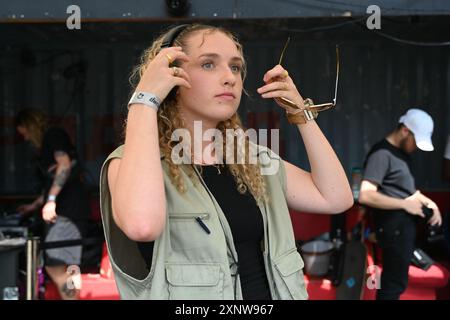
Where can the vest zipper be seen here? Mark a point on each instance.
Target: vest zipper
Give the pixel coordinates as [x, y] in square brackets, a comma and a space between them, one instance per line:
[198, 218]
[202, 216]
[266, 253]
[235, 262]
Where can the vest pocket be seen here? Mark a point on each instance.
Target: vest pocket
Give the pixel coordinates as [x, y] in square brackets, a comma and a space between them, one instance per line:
[292, 285]
[195, 281]
[190, 231]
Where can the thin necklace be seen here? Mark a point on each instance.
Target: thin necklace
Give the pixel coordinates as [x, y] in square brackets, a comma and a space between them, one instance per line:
[217, 166]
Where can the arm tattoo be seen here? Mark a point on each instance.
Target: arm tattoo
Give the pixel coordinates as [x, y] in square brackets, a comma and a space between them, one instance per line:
[61, 178]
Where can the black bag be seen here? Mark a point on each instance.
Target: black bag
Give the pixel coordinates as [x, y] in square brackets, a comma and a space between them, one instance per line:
[421, 260]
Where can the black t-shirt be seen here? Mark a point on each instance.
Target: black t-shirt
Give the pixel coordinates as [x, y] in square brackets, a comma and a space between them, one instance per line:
[72, 200]
[389, 167]
[55, 139]
[246, 224]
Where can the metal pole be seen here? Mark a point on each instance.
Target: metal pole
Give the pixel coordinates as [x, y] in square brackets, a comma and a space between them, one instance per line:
[32, 256]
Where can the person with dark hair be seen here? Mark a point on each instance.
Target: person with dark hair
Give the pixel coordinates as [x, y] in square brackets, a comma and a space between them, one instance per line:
[388, 187]
[210, 222]
[64, 198]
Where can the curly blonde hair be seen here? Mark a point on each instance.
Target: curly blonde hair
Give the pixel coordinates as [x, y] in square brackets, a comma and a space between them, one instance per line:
[36, 122]
[247, 176]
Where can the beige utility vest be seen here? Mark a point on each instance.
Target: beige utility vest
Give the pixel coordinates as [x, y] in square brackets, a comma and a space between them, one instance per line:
[189, 263]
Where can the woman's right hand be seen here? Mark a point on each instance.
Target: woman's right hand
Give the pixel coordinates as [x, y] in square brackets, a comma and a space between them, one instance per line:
[159, 79]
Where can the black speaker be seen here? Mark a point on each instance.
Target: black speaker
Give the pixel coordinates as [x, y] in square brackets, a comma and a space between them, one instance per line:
[178, 7]
[421, 260]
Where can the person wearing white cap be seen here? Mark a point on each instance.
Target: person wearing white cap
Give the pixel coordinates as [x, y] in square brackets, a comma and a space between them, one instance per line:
[388, 187]
[421, 125]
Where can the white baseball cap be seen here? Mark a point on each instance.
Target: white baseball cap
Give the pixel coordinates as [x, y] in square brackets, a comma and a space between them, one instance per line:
[421, 125]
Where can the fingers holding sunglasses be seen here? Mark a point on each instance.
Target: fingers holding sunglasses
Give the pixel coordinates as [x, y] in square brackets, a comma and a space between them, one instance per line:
[277, 73]
[292, 95]
[279, 89]
[294, 99]
[274, 86]
[280, 85]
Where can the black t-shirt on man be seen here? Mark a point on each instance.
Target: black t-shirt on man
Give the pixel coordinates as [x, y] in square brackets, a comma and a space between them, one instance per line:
[389, 168]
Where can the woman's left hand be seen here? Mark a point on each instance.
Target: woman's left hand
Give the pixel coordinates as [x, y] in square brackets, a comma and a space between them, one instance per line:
[49, 212]
[278, 84]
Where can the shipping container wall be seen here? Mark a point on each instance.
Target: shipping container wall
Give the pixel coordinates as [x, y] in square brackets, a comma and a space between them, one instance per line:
[84, 87]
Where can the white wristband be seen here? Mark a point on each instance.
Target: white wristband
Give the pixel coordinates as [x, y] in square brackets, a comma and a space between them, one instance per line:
[148, 99]
[51, 197]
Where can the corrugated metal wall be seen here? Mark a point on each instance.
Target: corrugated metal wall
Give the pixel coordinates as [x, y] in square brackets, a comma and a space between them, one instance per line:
[51, 10]
[380, 79]
[378, 82]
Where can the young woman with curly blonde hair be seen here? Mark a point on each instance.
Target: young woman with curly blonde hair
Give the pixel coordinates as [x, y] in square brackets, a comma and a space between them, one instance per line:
[211, 227]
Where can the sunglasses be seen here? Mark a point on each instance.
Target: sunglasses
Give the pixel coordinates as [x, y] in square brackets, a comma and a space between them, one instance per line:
[292, 107]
